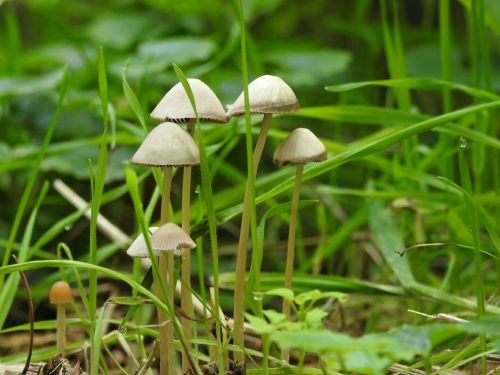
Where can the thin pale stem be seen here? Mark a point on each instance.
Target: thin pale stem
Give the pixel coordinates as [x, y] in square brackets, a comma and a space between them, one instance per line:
[186, 304]
[61, 327]
[239, 289]
[170, 327]
[290, 253]
[167, 351]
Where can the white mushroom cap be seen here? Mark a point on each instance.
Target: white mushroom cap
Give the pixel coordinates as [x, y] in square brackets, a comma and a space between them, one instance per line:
[267, 94]
[138, 248]
[175, 105]
[167, 145]
[300, 147]
[171, 237]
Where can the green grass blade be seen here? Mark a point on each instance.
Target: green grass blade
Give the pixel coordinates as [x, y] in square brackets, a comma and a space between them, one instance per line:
[10, 288]
[132, 100]
[97, 188]
[374, 146]
[96, 342]
[424, 83]
[209, 205]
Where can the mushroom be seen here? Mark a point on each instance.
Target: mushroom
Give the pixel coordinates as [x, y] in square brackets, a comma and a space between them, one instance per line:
[175, 106]
[60, 295]
[267, 95]
[171, 240]
[166, 146]
[300, 147]
[138, 248]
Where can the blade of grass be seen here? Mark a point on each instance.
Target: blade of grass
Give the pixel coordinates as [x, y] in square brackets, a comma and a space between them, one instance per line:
[424, 83]
[96, 342]
[10, 288]
[208, 197]
[97, 188]
[445, 61]
[372, 147]
[240, 308]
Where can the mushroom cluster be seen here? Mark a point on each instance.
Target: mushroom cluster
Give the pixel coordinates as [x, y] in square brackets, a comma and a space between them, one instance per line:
[168, 146]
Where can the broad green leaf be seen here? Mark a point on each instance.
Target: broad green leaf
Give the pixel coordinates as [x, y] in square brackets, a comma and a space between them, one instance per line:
[181, 50]
[389, 240]
[30, 85]
[308, 66]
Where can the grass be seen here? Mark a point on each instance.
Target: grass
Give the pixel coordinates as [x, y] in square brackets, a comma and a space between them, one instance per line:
[393, 89]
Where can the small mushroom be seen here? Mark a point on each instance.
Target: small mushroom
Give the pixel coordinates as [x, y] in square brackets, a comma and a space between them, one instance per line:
[267, 95]
[175, 105]
[60, 295]
[170, 239]
[138, 248]
[300, 147]
[166, 146]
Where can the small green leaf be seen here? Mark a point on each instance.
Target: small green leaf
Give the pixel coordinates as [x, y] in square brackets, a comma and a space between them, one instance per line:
[130, 301]
[281, 292]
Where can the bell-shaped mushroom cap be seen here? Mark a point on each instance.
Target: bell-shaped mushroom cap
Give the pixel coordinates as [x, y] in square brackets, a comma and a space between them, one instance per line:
[167, 145]
[138, 248]
[171, 237]
[60, 293]
[267, 94]
[175, 105]
[300, 147]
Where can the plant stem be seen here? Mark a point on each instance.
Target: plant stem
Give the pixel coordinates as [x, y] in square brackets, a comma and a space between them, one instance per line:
[239, 289]
[186, 305]
[61, 327]
[445, 60]
[167, 351]
[265, 355]
[290, 253]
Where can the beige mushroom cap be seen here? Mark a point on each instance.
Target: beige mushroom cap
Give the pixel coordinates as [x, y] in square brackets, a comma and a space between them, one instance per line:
[171, 237]
[167, 145]
[267, 94]
[300, 147]
[138, 248]
[60, 293]
[175, 105]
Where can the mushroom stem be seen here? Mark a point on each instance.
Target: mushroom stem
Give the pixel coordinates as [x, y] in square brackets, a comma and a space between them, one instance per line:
[239, 289]
[61, 327]
[186, 305]
[290, 253]
[167, 351]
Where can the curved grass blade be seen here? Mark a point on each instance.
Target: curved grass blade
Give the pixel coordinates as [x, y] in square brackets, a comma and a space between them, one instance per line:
[424, 83]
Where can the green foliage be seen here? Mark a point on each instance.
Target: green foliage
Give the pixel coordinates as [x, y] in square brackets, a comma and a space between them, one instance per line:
[400, 93]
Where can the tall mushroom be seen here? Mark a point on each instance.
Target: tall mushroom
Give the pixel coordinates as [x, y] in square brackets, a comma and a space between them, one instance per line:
[176, 107]
[300, 147]
[267, 95]
[60, 295]
[166, 146]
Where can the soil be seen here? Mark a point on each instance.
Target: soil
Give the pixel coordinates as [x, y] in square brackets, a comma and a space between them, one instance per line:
[235, 368]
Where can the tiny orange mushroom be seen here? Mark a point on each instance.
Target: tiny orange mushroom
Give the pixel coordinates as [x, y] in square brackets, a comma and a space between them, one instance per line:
[60, 295]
